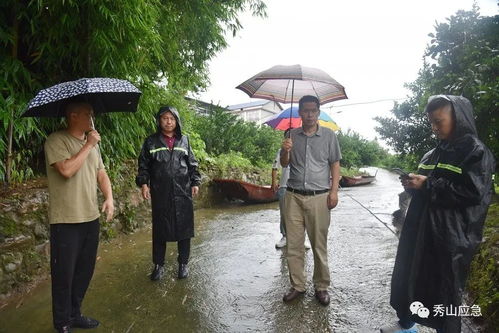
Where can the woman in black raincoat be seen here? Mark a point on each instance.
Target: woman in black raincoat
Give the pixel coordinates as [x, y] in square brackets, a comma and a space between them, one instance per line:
[168, 175]
[450, 197]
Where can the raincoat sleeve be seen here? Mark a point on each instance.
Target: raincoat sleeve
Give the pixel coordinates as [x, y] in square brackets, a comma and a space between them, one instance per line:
[143, 175]
[474, 184]
[194, 174]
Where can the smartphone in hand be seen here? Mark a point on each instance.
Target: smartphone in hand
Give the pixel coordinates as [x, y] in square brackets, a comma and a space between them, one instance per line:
[401, 173]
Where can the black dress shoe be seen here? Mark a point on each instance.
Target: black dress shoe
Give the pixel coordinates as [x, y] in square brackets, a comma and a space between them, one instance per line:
[157, 272]
[64, 329]
[85, 322]
[322, 296]
[292, 294]
[183, 272]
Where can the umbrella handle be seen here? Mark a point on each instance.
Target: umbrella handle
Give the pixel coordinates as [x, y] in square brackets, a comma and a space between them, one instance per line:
[97, 145]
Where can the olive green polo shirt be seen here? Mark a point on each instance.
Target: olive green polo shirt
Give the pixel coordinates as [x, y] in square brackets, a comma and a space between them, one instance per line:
[72, 200]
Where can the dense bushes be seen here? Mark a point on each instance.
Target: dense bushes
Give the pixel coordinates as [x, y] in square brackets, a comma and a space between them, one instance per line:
[224, 133]
[357, 151]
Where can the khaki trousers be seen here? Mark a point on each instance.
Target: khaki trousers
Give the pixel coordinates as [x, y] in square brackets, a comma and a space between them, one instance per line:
[308, 213]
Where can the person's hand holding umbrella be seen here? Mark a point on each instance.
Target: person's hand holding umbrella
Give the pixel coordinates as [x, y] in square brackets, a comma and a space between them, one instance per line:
[287, 145]
[93, 138]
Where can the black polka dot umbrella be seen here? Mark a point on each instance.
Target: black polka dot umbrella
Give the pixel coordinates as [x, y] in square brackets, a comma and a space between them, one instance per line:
[104, 94]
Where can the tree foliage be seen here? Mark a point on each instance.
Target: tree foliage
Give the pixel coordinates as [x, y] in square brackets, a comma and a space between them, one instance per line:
[224, 133]
[357, 151]
[462, 58]
[160, 46]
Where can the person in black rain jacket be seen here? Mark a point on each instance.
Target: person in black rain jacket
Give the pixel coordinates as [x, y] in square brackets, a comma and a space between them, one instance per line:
[168, 176]
[451, 193]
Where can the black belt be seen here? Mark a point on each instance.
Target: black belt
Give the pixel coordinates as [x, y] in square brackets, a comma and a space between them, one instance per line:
[303, 192]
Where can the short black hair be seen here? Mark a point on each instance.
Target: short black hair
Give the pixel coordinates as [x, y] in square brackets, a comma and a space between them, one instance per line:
[437, 102]
[308, 98]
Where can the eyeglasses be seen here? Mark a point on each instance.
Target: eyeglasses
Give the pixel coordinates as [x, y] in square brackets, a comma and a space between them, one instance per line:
[310, 111]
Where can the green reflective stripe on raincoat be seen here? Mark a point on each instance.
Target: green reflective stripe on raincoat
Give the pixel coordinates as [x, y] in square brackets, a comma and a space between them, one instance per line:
[441, 166]
[181, 149]
[157, 149]
[164, 148]
[450, 167]
[427, 166]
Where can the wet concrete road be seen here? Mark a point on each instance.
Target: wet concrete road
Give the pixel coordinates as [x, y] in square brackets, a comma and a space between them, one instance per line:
[237, 277]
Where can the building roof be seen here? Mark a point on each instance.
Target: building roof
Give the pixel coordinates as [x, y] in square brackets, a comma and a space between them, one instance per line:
[249, 105]
[201, 107]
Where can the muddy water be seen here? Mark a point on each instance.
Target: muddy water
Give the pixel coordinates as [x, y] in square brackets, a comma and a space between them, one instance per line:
[237, 277]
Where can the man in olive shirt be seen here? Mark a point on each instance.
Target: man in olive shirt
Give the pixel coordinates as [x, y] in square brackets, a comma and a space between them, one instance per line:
[74, 169]
[313, 155]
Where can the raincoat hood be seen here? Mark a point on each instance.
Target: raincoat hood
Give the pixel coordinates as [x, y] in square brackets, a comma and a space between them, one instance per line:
[465, 121]
[463, 115]
[162, 110]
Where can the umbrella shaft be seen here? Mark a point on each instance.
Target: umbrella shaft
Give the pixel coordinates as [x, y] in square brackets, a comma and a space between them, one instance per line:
[292, 96]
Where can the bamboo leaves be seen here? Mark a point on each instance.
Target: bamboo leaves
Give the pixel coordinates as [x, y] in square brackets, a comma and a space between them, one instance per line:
[161, 46]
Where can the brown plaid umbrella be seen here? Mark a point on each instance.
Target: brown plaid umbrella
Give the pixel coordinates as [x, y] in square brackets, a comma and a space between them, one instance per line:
[287, 84]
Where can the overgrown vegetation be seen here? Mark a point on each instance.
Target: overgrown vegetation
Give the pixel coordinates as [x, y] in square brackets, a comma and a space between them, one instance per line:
[160, 46]
[483, 282]
[357, 151]
[233, 140]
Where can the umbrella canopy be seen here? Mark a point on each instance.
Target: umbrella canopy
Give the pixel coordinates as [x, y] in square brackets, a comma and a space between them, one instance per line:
[287, 84]
[104, 94]
[282, 120]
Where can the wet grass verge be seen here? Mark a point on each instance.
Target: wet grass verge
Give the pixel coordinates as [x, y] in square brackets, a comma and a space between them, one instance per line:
[483, 282]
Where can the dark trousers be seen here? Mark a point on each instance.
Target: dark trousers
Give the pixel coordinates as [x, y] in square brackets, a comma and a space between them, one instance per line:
[159, 250]
[73, 249]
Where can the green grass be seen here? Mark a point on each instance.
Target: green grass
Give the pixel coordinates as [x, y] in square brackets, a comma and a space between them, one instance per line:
[483, 282]
[349, 172]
